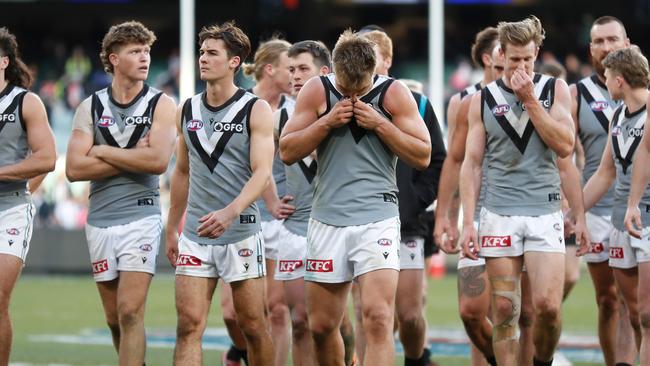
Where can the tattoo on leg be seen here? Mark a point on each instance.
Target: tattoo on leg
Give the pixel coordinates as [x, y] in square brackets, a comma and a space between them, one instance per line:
[470, 283]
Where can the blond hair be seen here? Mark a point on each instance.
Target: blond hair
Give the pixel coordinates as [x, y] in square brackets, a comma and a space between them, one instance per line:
[631, 65]
[383, 42]
[120, 35]
[521, 33]
[268, 52]
[354, 60]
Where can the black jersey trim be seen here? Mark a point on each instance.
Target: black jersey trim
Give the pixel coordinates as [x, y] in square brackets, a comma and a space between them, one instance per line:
[204, 99]
[308, 171]
[600, 115]
[520, 142]
[139, 130]
[284, 117]
[625, 161]
[142, 93]
[11, 109]
[21, 99]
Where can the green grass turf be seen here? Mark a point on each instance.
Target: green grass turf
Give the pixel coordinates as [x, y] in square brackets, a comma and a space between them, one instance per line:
[67, 305]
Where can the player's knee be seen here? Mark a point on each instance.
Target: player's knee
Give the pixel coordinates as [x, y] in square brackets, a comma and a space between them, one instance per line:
[634, 319]
[322, 327]
[547, 310]
[644, 320]
[189, 323]
[378, 320]
[129, 315]
[526, 317]
[607, 303]
[278, 313]
[470, 312]
[251, 324]
[299, 325]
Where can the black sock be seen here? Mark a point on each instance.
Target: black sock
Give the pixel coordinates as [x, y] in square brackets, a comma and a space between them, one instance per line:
[422, 361]
[622, 364]
[236, 354]
[492, 361]
[537, 362]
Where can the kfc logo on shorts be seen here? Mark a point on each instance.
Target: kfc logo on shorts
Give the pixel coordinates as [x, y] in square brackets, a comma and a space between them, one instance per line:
[245, 252]
[290, 266]
[495, 241]
[384, 242]
[596, 248]
[598, 105]
[100, 266]
[616, 253]
[411, 244]
[13, 231]
[188, 260]
[194, 125]
[106, 121]
[146, 247]
[500, 110]
[319, 265]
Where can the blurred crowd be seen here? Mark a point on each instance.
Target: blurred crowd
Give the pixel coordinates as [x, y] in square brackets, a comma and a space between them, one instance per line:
[65, 77]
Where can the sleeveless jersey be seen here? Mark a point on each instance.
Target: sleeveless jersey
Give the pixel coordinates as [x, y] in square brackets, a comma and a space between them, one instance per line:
[126, 197]
[218, 142]
[470, 90]
[278, 168]
[13, 145]
[355, 182]
[595, 111]
[626, 133]
[301, 180]
[522, 173]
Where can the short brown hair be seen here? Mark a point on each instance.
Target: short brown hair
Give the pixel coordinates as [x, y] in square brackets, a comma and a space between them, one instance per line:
[610, 19]
[484, 42]
[119, 35]
[316, 49]
[354, 59]
[382, 40]
[521, 33]
[631, 65]
[267, 53]
[236, 41]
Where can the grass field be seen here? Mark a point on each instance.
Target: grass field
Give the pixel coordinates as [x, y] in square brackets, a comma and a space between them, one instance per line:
[70, 305]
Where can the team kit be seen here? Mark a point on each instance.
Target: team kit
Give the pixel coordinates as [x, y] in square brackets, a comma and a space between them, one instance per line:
[312, 186]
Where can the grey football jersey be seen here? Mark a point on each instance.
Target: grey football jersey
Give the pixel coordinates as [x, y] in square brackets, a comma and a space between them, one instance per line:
[218, 142]
[595, 111]
[626, 133]
[470, 90]
[522, 174]
[355, 182]
[126, 197]
[279, 175]
[13, 144]
[301, 181]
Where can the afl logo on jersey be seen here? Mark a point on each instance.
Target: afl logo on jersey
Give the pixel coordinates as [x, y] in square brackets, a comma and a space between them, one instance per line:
[106, 121]
[500, 110]
[598, 105]
[616, 131]
[194, 125]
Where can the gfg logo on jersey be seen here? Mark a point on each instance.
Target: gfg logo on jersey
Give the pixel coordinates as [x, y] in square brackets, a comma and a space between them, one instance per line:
[500, 110]
[635, 132]
[495, 241]
[228, 127]
[598, 105]
[596, 248]
[106, 121]
[194, 125]
[544, 102]
[9, 118]
[616, 253]
[100, 266]
[188, 261]
[319, 265]
[290, 266]
[245, 252]
[137, 120]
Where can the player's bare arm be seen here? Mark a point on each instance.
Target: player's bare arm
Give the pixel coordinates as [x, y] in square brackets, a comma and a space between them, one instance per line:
[554, 127]
[570, 180]
[452, 115]
[304, 131]
[215, 223]
[179, 188]
[407, 135]
[449, 178]
[40, 140]
[152, 158]
[470, 175]
[602, 179]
